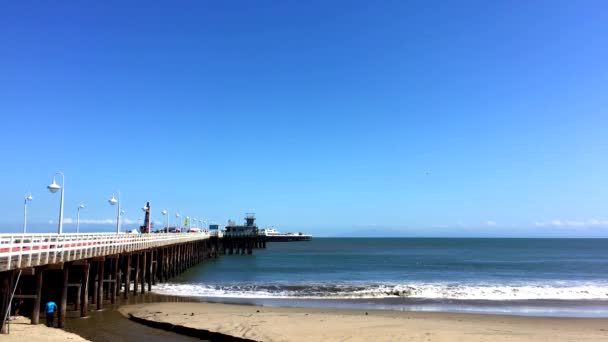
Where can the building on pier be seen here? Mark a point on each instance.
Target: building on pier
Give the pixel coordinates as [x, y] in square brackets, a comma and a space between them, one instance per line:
[248, 229]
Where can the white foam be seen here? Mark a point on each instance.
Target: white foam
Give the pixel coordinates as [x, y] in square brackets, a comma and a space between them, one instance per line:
[558, 291]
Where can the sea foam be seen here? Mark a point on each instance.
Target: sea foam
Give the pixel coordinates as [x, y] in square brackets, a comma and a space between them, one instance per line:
[554, 291]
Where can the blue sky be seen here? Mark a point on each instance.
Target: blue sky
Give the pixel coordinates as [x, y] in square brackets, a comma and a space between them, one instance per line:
[467, 118]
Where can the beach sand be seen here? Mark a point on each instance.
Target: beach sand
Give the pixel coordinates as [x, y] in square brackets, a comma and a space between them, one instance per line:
[21, 329]
[304, 324]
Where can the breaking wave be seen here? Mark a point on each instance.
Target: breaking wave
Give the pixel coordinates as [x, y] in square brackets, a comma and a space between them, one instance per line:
[554, 291]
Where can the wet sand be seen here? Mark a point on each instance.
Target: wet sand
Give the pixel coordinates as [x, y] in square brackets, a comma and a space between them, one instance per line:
[306, 324]
[107, 325]
[110, 325]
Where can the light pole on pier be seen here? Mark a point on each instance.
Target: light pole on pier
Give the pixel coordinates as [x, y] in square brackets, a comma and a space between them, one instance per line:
[81, 206]
[28, 197]
[53, 187]
[114, 201]
[177, 216]
[122, 213]
[166, 213]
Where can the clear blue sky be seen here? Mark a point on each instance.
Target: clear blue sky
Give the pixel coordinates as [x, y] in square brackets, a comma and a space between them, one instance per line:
[446, 118]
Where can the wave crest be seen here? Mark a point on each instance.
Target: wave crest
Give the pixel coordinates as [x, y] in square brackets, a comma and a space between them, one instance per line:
[419, 291]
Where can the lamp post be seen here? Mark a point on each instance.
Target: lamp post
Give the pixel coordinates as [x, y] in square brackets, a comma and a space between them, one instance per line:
[81, 206]
[114, 201]
[122, 213]
[166, 213]
[195, 220]
[53, 187]
[177, 216]
[28, 197]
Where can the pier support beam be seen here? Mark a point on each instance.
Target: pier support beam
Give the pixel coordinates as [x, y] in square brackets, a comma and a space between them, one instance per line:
[143, 272]
[100, 269]
[6, 289]
[135, 274]
[150, 269]
[84, 290]
[127, 272]
[64, 297]
[114, 275]
[35, 317]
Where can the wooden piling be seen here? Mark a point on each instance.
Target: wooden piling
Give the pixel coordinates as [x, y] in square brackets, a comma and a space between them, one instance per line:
[150, 270]
[100, 269]
[35, 316]
[6, 287]
[143, 272]
[114, 275]
[84, 292]
[127, 271]
[64, 297]
[135, 274]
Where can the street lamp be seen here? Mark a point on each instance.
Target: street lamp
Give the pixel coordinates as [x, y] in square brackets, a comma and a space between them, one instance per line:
[28, 197]
[166, 213]
[177, 216]
[114, 201]
[53, 187]
[81, 206]
[195, 220]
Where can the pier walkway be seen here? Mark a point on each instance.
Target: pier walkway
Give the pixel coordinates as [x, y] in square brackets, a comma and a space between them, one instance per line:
[30, 250]
[83, 270]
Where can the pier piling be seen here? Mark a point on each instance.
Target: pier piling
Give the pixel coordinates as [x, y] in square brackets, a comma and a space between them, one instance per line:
[84, 292]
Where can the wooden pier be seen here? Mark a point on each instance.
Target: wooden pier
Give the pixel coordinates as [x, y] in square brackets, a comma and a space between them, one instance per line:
[84, 271]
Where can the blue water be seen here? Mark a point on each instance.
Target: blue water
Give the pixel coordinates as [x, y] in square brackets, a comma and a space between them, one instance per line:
[548, 277]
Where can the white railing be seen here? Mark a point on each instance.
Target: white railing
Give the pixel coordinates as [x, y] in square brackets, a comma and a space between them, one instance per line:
[19, 251]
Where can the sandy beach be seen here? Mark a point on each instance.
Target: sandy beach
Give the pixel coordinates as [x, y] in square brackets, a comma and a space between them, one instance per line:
[304, 324]
[21, 329]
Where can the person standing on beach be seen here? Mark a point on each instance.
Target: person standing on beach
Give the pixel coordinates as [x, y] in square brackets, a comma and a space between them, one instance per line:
[50, 309]
[16, 306]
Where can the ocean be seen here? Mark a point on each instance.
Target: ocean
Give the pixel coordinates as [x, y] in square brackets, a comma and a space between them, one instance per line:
[533, 277]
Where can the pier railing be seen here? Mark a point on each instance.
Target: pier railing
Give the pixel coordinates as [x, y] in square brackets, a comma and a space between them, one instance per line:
[19, 250]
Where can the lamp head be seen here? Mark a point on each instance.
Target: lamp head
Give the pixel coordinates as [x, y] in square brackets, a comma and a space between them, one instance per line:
[29, 197]
[164, 212]
[53, 187]
[112, 200]
[81, 206]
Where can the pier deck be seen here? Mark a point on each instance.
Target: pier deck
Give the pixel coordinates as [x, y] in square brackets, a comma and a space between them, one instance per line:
[30, 250]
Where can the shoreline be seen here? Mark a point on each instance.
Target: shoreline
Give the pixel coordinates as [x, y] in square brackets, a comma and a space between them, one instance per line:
[525, 308]
[261, 323]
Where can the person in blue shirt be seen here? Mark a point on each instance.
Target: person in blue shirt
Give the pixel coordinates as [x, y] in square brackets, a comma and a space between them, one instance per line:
[50, 309]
